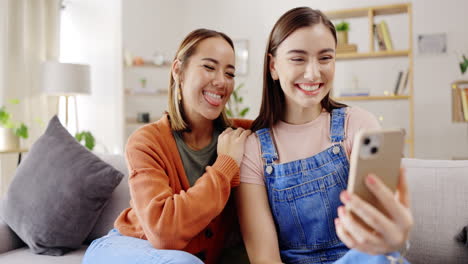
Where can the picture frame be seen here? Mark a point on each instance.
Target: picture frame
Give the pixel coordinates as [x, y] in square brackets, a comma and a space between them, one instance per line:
[241, 47]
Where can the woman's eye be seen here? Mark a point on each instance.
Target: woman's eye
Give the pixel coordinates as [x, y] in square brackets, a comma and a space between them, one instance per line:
[231, 75]
[326, 58]
[297, 59]
[209, 67]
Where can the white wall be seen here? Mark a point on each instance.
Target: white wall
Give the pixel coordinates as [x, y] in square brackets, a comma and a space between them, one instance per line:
[436, 136]
[160, 25]
[91, 34]
[149, 27]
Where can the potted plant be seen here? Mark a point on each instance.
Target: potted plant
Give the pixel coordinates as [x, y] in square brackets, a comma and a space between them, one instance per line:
[463, 64]
[11, 131]
[87, 137]
[234, 108]
[342, 32]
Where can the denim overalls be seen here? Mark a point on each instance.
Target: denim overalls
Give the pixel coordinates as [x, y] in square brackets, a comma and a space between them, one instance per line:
[304, 197]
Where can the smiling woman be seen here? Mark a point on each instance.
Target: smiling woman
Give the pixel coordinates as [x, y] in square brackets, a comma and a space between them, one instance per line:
[204, 41]
[182, 167]
[295, 168]
[207, 79]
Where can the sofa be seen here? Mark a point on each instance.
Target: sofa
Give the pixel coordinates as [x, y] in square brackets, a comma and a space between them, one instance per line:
[439, 200]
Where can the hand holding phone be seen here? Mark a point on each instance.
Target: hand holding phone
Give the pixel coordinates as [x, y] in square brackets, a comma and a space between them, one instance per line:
[379, 231]
[378, 152]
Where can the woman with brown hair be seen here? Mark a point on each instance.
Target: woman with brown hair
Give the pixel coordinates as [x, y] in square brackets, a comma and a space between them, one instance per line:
[182, 167]
[295, 167]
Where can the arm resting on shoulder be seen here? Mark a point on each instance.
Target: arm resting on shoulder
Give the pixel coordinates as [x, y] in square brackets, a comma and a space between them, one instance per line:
[257, 224]
[171, 220]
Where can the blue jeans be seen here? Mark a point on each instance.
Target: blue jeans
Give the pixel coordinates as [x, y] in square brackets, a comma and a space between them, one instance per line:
[116, 248]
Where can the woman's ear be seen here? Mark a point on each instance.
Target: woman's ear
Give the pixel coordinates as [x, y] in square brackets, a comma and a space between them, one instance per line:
[272, 67]
[176, 69]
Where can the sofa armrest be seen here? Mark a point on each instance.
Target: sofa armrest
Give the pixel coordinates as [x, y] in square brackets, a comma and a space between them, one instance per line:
[438, 190]
[8, 239]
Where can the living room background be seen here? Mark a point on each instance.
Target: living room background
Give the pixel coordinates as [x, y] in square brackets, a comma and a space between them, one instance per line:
[102, 34]
[97, 33]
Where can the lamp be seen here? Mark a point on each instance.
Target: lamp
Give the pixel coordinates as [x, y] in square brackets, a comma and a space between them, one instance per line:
[66, 79]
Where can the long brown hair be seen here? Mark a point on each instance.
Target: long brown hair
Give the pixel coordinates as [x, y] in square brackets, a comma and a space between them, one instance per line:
[185, 51]
[273, 98]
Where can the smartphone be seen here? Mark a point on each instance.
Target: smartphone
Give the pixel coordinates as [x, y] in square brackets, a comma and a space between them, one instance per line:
[378, 152]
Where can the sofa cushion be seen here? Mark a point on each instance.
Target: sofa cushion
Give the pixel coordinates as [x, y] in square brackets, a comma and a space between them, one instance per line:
[119, 200]
[58, 193]
[439, 202]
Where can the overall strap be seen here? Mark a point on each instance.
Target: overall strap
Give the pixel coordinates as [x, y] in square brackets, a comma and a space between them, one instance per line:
[337, 125]
[267, 146]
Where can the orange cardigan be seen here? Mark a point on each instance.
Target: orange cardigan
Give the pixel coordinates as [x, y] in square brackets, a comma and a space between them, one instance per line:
[164, 209]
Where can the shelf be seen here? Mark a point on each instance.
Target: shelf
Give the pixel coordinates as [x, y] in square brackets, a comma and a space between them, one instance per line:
[158, 94]
[364, 12]
[459, 91]
[370, 15]
[133, 122]
[14, 150]
[369, 55]
[371, 98]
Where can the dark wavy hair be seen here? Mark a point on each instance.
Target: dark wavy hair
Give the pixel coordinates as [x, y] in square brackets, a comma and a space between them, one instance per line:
[273, 98]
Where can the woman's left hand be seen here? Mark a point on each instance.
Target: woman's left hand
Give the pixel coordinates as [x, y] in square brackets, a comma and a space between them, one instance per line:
[389, 233]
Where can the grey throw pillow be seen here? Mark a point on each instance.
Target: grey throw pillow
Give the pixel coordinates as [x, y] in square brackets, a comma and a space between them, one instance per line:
[58, 193]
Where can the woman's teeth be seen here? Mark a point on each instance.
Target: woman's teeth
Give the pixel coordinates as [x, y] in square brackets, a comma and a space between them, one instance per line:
[215, 96]
[309, 88]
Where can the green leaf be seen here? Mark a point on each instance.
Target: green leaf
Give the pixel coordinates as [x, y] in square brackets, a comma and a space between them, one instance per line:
[244, 112]
[14, 101]
[234, 94]
[464, 64]
[9, 124]
[343, 26]
[239, 87]
[22, 131]
[4, 116]
[229, 113]
[463, 67]
[89, 141]
[79, 137]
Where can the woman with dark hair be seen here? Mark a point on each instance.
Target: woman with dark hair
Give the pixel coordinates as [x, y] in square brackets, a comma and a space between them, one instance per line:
[182, 167]
[295, 167]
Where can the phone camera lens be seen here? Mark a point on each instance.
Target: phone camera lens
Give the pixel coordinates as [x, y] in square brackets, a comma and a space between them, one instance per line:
[366, 141]
[374, 150]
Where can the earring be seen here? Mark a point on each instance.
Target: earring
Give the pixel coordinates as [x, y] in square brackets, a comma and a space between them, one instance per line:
[179, 93]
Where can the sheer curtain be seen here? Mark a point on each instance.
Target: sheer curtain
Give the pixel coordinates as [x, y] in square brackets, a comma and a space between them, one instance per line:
[29, 34]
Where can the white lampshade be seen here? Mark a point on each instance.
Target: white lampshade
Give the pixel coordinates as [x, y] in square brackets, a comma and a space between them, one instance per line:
[65, 78]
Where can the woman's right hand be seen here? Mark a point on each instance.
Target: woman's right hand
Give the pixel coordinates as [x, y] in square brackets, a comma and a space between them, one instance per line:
[232, 141]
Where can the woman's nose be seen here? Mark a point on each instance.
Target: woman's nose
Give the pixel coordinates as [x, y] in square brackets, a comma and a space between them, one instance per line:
[219, 80]
[312, 70]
